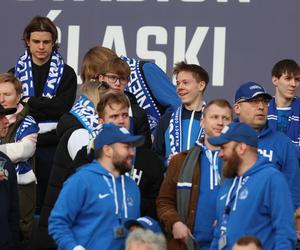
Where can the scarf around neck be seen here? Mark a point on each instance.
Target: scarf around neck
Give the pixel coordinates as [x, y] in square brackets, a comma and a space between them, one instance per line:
[23, 71]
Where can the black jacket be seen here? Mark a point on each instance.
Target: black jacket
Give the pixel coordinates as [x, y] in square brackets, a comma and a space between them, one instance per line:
[62, 168]
[9, 208]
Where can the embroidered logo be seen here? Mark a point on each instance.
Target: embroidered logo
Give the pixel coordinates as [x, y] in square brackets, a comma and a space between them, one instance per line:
[244, 194]
[102, 196]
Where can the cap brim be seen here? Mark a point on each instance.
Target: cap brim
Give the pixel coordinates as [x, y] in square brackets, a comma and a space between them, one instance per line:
[128, 224]
[135, 140]
[8, 111]
[265, 95]
[217, 140]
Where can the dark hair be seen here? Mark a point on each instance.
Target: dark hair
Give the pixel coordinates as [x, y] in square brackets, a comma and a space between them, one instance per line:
[288, 66]
[40, 23]
[117, 66]
[220, 103]
[8, 77]
[199, 73]
[247, 240]
[109, 98]
[93, 62]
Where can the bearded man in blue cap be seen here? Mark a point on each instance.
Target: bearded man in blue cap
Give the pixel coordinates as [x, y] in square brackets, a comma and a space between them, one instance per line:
[95, 202]
[254, 199]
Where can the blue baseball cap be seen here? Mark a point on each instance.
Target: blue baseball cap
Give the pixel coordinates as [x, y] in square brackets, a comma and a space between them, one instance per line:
[236, 131]
[110, 133]
[145, 222]
[250, 90]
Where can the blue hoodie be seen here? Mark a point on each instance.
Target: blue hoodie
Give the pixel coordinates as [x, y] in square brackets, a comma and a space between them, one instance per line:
[260, 205]
[90, 206]
[279, 149]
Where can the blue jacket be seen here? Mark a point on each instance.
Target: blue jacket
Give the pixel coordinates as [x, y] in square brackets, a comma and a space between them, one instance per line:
[279, 149]
[161, 143]
[261, 207]
[91, 205]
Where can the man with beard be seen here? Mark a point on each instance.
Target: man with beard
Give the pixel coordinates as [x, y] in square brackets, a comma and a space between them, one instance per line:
[187, 198]
[254, 199]
[95, 202]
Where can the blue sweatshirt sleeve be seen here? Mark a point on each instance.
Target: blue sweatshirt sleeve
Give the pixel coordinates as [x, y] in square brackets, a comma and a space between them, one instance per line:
[161, 86]
[65, 211]
[278, 199]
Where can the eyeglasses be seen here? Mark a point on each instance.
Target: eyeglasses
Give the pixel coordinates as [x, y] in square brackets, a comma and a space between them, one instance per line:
[257, 101]
[103, 85]
[113, 79]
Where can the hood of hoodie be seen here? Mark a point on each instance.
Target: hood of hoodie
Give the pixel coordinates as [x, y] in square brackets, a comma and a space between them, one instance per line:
[66, 122]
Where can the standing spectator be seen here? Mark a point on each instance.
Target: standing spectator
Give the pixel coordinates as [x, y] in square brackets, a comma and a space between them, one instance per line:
[103, 196]
[187, 198]
[284, 108]
[49, 88]
[251, 107]
[76, 129]
[116, 73]
[180, 130]
[19, 145]
[147, 169]
[9, 208]
[254, 199]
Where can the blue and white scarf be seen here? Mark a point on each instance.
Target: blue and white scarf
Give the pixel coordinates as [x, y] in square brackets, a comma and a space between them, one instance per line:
[84, 111]
[175, 131]
[139, 88]
[23, 71]
[293, 130]
[25, 174]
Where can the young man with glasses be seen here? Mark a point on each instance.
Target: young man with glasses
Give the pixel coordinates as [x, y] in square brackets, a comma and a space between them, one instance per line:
[116, 73]
[251, 107]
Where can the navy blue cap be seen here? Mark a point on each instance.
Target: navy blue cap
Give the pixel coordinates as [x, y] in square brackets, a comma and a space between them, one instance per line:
[145, 222]
[111, 133]
[236, 131]
[250, 90]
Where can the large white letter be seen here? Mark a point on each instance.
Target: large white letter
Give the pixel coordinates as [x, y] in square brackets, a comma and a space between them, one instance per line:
[189, 55]
[52, 15]
[114, 35]
[219, 56]
[73, 48]
[142, 51]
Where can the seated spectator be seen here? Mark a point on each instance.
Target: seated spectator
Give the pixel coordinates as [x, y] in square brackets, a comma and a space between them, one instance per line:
[19, 145]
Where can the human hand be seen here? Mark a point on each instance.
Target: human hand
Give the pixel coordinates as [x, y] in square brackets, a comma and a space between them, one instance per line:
[180, 231]
[31, 137]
